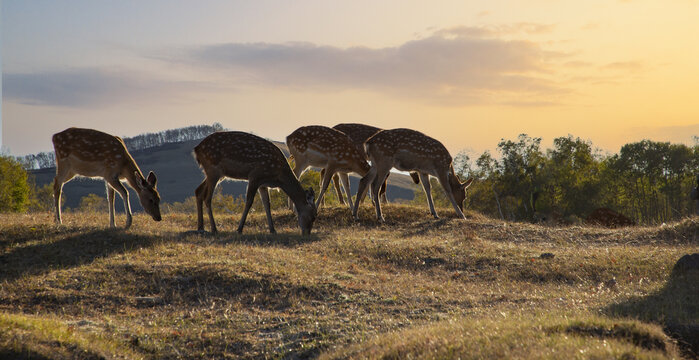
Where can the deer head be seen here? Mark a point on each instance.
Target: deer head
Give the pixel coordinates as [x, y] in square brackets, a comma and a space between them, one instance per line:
[148, 194]
[307, 214]
[459, 189]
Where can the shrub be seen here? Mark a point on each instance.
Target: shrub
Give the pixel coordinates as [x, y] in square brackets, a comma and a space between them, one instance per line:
[93, 203]
[14, 190]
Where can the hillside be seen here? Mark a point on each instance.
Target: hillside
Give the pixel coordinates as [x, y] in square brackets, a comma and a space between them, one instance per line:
[414, 287]
[178, 176]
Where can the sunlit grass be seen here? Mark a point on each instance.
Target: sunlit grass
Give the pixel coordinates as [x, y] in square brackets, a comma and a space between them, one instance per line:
[352, 289]
[517, 335]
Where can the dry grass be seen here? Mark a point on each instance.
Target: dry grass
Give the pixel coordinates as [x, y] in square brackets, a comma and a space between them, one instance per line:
[414, 287]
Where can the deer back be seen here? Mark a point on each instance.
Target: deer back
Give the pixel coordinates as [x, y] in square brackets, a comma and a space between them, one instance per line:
[332, 143]
[237, 154]
[358, 133]
[409, 147]
[88, 145]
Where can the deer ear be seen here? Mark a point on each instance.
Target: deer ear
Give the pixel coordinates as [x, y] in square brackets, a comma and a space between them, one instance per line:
[467, 183]
[140, 181]
[152, 179]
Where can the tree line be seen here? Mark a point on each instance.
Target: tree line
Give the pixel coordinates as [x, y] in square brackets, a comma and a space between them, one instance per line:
[45, 160]
[647, 181]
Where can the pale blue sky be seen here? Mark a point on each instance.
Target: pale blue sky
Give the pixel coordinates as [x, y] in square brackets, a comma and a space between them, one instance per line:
[465, 72]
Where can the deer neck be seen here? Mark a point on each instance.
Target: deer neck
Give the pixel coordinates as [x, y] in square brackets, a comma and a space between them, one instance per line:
[133, 175]
[292, 187]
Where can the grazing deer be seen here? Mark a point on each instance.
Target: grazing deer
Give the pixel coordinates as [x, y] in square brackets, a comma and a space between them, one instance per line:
[359, 134]
[240, 155]
[329, 149]
[410, 150]
[92, 153]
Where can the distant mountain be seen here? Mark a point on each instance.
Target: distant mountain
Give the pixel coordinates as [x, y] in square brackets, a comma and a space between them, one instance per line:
[178, 176]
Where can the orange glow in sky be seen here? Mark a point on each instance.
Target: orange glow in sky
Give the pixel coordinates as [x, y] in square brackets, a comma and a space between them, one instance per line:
[468, 73]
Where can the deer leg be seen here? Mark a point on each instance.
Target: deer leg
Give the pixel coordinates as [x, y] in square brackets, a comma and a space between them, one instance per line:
[200, 193]
[208, 197]
[63, 175]
[110, 204]
[320, 186]
[325, 182]
[249, 198]
[340, 198]
[425, 180]
[57, 188]
[362, 190]
[336, 184]
[346, 184]
[375, 187]
[382, 191]
[444, 181]
[116, 184]
[264, 195]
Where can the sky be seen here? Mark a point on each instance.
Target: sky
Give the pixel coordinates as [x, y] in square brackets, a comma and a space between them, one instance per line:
[468, 73]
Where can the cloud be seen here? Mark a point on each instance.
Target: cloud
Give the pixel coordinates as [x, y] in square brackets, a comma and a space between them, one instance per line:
[498, 30]
[461, 65]
[578, 64]
[591, 26]
[86, 87]
[454, 66]
[630, 66]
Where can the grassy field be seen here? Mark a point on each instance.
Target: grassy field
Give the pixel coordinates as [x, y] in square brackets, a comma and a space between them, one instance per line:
[414, 287]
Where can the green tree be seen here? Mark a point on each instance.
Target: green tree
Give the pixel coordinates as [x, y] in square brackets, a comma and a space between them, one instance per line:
[482, 194]
[572, 177]
[14, 189]
[519, 175]
[41, 198]
[649, 181]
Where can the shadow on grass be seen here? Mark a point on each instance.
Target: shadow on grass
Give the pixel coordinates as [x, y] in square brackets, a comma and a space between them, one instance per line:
[19, 234]
[423, 227]
[675, 307]
[400, 217]
[199, 285]
[256, 233]
[76, 249]
[21, 354]
[281, 240]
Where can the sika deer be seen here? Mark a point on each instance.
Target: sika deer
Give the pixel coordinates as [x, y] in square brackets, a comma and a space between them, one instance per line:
[410, 150]
[359, 134]
[240, 155]
[329, 149]
[92, 153]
